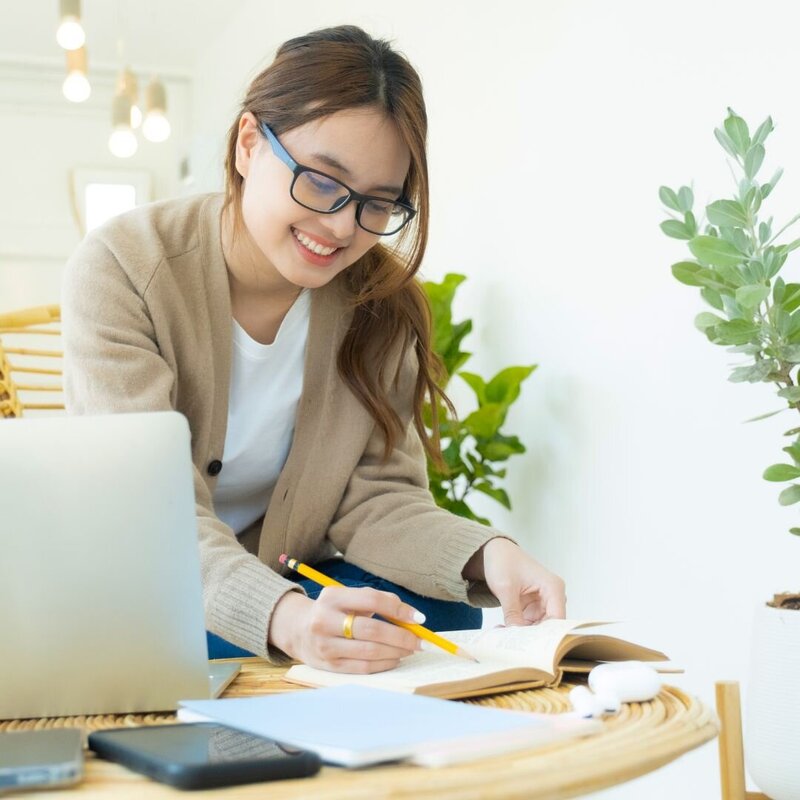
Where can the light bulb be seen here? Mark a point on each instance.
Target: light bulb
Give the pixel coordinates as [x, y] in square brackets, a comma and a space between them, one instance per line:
[76, 87]
[136, 116]
[122, 142]
[156, 127]
[70, 34]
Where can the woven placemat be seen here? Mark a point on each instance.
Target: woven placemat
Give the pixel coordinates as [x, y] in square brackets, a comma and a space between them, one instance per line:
[642, 737]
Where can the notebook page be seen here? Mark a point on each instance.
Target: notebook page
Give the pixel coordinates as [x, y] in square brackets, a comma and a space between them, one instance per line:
[528, 645]
[417, 670]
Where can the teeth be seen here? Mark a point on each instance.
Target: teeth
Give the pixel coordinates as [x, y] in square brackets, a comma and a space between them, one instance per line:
[314, 247]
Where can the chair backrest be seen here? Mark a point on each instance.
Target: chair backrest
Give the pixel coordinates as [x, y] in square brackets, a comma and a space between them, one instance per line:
[30, 375]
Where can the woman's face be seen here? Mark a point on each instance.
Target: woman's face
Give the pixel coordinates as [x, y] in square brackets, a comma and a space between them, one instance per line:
[360, 147]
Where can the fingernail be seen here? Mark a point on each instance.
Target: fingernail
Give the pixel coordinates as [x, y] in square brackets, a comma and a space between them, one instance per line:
[418, 617]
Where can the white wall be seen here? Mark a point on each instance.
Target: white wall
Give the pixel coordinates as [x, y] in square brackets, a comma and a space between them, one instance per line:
[43, 137]
[552, 126]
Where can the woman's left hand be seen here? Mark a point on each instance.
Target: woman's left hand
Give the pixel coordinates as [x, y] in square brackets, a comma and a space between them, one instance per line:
[527, 591]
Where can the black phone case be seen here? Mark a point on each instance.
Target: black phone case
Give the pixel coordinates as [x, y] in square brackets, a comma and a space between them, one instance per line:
[112, 746]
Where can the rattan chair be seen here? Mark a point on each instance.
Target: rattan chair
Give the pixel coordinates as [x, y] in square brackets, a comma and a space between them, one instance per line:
[20, 363]
[731, 747]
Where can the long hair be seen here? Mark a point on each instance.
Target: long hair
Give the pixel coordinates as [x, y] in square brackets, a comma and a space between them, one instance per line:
[312, 76]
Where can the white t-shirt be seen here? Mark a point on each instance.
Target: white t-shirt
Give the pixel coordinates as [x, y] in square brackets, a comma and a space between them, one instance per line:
[266, 383]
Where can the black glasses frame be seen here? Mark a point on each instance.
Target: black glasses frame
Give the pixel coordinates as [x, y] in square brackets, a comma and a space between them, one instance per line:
[352, 195]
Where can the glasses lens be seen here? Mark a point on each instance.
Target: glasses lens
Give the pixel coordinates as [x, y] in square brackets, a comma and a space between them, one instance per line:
[383, 216]
[319, 192]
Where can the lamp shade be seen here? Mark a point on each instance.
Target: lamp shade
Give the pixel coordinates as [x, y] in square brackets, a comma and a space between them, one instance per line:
[127, 84]
[70, 34]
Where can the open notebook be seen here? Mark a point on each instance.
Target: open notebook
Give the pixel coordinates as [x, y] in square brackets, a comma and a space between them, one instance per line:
[510, 659]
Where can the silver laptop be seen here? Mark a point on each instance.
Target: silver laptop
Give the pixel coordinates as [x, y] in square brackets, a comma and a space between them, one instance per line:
[101, 606]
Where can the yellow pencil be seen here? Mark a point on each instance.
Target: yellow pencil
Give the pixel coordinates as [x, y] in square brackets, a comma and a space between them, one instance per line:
[417, 630]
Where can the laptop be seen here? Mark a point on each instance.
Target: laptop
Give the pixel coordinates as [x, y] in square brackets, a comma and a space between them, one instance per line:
[101, 608]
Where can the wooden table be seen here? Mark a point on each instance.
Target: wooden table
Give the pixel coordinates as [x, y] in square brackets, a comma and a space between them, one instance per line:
[643, 737]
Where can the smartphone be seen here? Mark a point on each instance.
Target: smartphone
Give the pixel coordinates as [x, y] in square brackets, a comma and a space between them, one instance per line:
[40, 759]
[202, 755]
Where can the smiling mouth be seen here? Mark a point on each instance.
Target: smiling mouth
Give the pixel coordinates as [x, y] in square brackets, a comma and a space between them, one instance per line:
[314, 247]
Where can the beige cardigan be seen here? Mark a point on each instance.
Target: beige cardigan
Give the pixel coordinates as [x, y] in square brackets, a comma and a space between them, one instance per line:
[147, 326]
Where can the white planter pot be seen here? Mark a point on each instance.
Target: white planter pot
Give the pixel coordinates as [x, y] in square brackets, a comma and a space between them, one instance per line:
[772, 705]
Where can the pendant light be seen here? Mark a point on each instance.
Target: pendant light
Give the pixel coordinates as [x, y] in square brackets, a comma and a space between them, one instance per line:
[127, 84]
[70, 34]
[156, 127]
[76, 85]
[122, 142]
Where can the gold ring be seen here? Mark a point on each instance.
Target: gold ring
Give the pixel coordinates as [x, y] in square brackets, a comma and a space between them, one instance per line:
[347, 626]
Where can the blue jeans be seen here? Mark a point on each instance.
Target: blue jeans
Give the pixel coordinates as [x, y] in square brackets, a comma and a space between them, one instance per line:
[441, 615]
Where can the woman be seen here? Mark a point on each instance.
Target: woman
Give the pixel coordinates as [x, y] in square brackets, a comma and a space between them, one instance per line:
[296, 341]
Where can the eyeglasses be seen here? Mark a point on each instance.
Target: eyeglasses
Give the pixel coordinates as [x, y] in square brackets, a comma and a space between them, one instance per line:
[325, 194]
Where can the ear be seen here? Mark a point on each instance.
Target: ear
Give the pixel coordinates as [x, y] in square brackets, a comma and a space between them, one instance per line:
[247, 142]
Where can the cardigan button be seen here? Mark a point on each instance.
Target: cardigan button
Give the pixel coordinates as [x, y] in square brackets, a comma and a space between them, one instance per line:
[214, 468]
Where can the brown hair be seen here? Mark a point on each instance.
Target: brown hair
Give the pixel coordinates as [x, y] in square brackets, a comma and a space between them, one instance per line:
[316, 75]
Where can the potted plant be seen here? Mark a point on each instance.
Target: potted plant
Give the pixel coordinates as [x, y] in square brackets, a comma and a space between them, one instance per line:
[472, 448]
[736, 261]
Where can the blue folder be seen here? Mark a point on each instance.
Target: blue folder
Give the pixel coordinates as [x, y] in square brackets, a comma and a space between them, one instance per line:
[355, 726]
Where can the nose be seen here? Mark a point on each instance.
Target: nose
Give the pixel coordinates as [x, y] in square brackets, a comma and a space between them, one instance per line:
[342, 223]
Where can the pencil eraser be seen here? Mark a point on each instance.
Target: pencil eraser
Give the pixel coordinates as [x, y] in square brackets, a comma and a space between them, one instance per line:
[282, 558]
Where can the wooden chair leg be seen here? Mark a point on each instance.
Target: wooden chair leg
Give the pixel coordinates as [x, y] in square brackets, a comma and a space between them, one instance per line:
[731, 748]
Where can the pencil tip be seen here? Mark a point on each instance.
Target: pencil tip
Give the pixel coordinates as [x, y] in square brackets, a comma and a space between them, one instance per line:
[464, 654]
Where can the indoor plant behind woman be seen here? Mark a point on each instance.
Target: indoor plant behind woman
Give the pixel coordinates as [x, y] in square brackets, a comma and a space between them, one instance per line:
[736, 261]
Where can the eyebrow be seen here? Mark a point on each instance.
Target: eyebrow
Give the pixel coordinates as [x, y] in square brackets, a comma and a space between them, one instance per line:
[332, 162]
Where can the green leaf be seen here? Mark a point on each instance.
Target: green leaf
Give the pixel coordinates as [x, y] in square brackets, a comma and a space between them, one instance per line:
[669, 198]
[765, 416]
[504, 388]
[500, 448]
[484, 423]
[686, 272]
[789, 496]
[705, 319]
[737, 331]
[790, 393]
[685, 199]
[781, 472]
[753, 373]
[763, 130]
[494, 492]
[714, 251]
[790, 353]
[753, 160]
[794, 451]
[725, 141]
[461, 509]
[751, 296]
[692, 274]
[764, 232]
[676, 229]
[727, 212]
[476, 383]
[736, 128]
[713, 298]
[795, 531]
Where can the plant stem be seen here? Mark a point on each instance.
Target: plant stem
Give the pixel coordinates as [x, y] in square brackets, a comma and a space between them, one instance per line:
[787, 225]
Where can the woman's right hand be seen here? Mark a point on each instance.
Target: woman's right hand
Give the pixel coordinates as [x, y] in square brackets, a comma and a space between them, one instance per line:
[313, 631]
